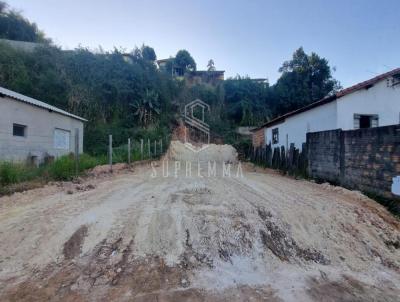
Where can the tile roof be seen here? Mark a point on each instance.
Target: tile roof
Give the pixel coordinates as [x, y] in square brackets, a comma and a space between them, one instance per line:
[331, 98]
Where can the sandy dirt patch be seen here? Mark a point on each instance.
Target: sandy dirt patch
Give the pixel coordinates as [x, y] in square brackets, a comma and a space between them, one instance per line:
[136, 236]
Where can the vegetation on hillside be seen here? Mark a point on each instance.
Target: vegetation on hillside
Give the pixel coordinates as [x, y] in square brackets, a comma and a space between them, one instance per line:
[128, 96]
[14, 26]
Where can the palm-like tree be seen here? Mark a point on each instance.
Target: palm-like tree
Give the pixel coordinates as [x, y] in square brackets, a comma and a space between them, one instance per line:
[146, 107]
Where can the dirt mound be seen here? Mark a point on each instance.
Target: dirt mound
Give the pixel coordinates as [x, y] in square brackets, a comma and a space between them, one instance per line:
[211, 152]
[103, 169]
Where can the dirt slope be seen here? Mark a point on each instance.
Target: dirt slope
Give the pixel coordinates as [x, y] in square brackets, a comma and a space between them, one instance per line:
[139, 236]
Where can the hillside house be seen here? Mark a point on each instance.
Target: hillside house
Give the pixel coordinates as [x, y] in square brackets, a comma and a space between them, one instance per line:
[193, 77]
[373, 103]
[32, 131]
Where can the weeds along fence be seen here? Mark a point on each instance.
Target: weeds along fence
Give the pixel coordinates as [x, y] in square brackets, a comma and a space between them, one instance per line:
[71, 165]
[291, 161]
[135, 150]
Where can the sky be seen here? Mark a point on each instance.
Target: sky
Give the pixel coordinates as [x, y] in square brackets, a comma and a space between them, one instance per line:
[360, 38]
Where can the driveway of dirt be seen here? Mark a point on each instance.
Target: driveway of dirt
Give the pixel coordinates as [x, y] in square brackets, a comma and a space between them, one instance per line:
[140, 236]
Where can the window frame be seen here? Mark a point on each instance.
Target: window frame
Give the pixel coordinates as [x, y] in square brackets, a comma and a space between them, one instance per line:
[23, 127]
[275, 135]
[374, 120]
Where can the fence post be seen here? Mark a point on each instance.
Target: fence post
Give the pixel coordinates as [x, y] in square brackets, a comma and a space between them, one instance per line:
[155, 148]
[129, 151]
[110, 151]
[76, 151]
[141, 148]
[148, 147]
[161, 146]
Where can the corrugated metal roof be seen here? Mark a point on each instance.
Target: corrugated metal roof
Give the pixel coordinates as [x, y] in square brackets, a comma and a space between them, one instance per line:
[34, 102]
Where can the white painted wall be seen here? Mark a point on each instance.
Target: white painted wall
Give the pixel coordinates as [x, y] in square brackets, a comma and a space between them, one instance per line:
[295, 127]
[379, 99]
[41, 125]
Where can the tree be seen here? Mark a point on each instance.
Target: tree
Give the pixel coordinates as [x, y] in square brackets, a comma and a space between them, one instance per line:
[305, 79]
[210, 65]
[184, 61]
[14, 26]
[148, 53]
[3, 7]
[247, 102]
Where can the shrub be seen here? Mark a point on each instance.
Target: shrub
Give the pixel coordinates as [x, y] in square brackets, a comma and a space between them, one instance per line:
[8, 173]
[88, 162]
[62, 168]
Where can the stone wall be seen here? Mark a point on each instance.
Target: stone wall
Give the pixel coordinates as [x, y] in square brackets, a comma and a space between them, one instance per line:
[363, 159]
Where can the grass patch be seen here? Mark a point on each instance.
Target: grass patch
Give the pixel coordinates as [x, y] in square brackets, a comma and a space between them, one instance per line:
[14, 177]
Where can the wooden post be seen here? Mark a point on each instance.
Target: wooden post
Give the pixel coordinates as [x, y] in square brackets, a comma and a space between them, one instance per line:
[161, 146]
[141, 148]
[129, 151]
[155, 148]
[76, 151]
[110, 151]
[148, 147]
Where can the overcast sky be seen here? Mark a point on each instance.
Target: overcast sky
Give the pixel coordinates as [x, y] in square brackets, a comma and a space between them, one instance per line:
[361, 38]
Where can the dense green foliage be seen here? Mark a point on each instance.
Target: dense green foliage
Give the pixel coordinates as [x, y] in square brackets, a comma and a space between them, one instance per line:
[184, 61]
[14, 26]
[62, 168]
[248, 102]
[305, 79]
[128, 96]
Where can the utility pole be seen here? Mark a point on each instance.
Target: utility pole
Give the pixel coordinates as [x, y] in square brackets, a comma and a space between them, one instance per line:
[76, 151]
[129, 151]
[110, 151]
[141, 148]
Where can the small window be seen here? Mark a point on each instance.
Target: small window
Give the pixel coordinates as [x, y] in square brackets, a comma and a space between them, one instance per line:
[275, 135]
[19, 130]
[61, 139]
[365, 121]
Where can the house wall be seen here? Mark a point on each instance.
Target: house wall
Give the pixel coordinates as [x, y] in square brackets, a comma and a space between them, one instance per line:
[295, 128]
[39, 138]
[379, 99]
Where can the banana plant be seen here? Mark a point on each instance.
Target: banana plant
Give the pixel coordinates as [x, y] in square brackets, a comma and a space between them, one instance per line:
[147, 107]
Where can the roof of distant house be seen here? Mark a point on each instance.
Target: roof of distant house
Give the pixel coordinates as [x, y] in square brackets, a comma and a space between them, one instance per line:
[200, 72]
[262, 80]
[164, 60]
[363, 85]
[31, 101]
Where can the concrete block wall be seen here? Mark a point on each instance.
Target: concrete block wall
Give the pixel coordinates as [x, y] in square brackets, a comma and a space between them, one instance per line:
[363, 159]
[323, 154]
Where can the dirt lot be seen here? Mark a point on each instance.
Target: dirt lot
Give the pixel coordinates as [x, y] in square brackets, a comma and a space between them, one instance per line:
[137, 236]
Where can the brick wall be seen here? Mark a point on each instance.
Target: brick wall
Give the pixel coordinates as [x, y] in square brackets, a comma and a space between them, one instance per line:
[258, 138]
[363, 159]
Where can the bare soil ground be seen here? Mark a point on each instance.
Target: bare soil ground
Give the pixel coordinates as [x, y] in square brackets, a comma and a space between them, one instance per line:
[139, 236]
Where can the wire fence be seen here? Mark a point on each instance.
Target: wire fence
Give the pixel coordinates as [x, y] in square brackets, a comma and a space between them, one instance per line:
[42, 148]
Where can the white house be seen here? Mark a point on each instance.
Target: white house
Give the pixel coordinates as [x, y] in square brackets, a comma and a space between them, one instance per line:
[32, 130]
[372, 103]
